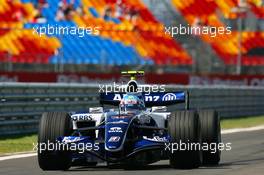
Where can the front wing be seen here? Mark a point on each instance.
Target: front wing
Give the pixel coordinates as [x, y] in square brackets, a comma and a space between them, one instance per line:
[83, 145]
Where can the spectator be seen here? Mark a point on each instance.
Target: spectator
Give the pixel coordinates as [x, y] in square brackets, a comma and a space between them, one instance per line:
[197, 24]
[107, 13]
[68, 12]
[80, 10]
[18, 15]
[133, 15]
[43, 3]
[60, 14]
[39, 18]
[39, 3]
[119, 9]
[65, 11]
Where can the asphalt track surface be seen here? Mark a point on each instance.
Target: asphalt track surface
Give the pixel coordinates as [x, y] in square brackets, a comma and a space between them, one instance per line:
[245, 158]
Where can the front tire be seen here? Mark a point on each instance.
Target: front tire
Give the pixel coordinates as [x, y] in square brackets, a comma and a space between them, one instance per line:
[211, 134]
[53, 125]
[184, 127]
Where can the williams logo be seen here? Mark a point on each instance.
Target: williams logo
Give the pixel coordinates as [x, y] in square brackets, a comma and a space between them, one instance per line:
[115, 129]
[169, 97]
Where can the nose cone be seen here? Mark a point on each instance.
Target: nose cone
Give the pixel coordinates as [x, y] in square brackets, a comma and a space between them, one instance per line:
[116, 128]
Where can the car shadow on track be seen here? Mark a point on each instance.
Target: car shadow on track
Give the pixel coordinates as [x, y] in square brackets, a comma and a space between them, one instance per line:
[105, 168]
[145, 168]
[227, 165]
[246, 161]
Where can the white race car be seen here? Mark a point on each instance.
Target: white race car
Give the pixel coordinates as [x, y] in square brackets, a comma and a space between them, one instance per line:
[139, 131]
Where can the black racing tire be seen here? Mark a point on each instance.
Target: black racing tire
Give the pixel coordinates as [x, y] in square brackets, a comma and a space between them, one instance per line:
[211, 134]
[184, 127]
[53, 125]
[114, 165]
[92, 164]
[83, 162]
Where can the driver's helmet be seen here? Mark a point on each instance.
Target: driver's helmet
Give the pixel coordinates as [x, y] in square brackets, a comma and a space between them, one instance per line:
[131, 102]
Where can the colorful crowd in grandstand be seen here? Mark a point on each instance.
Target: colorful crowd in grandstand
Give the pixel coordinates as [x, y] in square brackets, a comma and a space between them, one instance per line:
[130, 33]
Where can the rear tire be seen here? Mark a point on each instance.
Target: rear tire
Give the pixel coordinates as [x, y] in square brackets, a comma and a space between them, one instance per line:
[53, 125]
[184, 127]
[211, 134]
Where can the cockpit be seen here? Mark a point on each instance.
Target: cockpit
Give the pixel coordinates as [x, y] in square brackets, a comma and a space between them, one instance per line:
[131, 102]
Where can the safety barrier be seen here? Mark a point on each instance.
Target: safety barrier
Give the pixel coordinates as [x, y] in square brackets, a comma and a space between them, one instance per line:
[23, 103]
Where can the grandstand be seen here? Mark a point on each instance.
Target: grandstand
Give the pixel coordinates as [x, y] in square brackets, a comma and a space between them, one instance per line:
[215, 13]
[130, 34]
[120, 42]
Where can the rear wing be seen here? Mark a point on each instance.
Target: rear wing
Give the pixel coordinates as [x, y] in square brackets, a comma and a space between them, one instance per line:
[132, 74]
[150, 99]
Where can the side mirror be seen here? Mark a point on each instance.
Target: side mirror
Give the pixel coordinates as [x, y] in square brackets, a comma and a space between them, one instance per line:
[96, 110]
[158, 108]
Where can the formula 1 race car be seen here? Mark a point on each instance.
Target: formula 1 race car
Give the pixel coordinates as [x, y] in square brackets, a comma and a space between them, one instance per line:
[137, 132]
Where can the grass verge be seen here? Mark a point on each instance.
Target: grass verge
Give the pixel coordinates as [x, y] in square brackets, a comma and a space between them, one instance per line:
[243, 122]
[17, 143]
[21, 143]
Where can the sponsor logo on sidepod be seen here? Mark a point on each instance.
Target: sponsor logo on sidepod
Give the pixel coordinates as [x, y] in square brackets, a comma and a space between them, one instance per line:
[81, 117]
[156, 139]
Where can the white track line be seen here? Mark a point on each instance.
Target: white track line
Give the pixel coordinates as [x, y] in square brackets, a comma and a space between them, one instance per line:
[255, 128]
[16, 156]
[226, 131]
